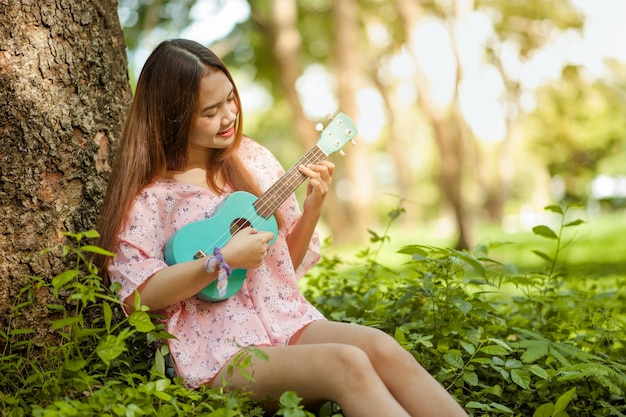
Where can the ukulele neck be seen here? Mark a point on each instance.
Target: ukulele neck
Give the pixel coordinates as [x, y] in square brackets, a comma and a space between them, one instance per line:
[276, 195]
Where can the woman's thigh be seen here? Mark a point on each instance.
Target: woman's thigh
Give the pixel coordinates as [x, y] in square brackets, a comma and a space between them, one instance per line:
[298, 368]
[368, 339]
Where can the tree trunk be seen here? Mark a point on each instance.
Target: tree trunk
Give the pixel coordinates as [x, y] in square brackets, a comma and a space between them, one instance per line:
[63, 96]
[449, 130]
[286, 47]
[359, 208]
[280, 23]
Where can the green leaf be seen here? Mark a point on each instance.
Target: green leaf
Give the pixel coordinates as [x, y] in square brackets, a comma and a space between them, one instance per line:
[454, 359]
[163, 396]
[399, 336]
[521, 378]
[494, 390]
[574, 223]
[162, 384]
[16, 332]
[497, 361]
[501, 407]
[464, 306]
[476, 404]
[57, 307]
[500, 343]
[537, 349]
[159, 362]
[539, 371]
[414, 250]
[110, 348]
[482, 361]
[108, 315]
[513, 364]
[494, 350]
[141, 321]
[470, 378]
[554, 208]
[544, 410]
[63, 278]
[542, 255]
[96, 249]
[289, 399]
[469, 348]
[65, 408]
[91, 234]
[544, 231]
[67, 321]
[75, 364]
[423, 340]
[472, 261]
[564, 400]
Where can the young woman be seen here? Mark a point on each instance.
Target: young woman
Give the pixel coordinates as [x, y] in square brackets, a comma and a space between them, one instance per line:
[181, 154]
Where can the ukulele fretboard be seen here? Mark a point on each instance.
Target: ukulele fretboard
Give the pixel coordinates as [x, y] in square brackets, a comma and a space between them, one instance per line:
[276, 195]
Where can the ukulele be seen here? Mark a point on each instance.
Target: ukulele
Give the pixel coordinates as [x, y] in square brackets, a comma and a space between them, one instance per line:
[242, 209]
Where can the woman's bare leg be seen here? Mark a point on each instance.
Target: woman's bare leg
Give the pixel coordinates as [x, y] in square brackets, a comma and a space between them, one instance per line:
[317, 372]
[413, 387]
[362, 369]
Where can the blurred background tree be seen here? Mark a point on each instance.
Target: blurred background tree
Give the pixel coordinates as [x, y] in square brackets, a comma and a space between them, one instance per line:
[470, 111]
[578, 129]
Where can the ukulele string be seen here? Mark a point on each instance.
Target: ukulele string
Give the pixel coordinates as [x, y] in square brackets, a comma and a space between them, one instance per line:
[287, 178]
[290, 181]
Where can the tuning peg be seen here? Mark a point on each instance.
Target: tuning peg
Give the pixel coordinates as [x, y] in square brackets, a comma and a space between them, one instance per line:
[352, 142]
[341, 152]
[329, 116]
[319, 127]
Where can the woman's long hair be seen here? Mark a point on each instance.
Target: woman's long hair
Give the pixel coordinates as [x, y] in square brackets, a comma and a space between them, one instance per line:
[155, 138]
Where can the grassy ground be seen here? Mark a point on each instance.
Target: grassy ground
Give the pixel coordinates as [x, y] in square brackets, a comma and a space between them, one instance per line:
[595, 248]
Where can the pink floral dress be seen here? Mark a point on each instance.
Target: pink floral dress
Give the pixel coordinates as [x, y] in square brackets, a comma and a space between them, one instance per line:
[267, 310]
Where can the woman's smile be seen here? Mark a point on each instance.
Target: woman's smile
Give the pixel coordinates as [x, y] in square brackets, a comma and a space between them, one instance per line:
[227, 133]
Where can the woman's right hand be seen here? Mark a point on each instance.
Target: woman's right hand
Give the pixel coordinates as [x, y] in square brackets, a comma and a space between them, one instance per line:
[247, 248]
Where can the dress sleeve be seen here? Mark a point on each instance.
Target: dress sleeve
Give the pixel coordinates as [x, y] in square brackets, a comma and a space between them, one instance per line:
[140, 245]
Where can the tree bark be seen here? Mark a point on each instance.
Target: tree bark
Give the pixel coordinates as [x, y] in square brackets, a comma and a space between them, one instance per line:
[280, 22]
[63, 95]
[449, 130]
[359, 209]
[286, 46]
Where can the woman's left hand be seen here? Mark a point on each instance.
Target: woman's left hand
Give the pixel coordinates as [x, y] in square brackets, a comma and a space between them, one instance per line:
[320, 176]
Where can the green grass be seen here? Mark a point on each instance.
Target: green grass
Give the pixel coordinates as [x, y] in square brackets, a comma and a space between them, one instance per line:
[595, 248]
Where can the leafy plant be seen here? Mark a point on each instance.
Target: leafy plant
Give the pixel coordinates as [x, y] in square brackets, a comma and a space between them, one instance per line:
[545, 342]
[100, 362]
[541, 343]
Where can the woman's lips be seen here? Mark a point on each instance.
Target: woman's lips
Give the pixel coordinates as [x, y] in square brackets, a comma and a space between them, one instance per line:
[227, 132]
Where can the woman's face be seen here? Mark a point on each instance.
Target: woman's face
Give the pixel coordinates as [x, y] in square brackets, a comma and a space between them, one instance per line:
[214, 127]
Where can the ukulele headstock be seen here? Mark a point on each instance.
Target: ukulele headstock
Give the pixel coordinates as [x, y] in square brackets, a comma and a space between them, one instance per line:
[339, 131]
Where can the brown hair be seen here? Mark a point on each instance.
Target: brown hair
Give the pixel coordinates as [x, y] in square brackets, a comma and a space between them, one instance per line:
[155, 138]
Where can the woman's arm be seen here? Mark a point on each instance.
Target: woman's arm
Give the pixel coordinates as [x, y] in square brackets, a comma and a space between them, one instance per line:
[176, 283]
[171, 285]
[320, 176]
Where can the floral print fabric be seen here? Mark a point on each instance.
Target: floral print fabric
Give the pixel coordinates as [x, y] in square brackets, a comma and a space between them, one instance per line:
[267, 310]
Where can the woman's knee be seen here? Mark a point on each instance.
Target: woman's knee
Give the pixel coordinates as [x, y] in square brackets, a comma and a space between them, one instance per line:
[350, 364]
[384, 350]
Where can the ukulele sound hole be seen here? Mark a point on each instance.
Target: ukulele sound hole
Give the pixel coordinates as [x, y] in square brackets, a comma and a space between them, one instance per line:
[239, 224]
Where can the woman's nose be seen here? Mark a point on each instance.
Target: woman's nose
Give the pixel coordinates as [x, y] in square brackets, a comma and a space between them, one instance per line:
[231, 111]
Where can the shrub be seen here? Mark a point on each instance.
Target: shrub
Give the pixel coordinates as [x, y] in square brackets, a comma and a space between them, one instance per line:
[538, 343]
[101, 362]
[546, 342]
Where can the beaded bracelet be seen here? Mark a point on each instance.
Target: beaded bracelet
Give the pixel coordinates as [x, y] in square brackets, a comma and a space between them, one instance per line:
[217, 263]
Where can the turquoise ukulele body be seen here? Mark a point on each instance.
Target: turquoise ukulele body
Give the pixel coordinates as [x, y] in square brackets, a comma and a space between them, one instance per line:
[235, 212]
[241, 209]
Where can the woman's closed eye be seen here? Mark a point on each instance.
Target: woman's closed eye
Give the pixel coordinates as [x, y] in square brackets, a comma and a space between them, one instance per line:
[212, 112]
